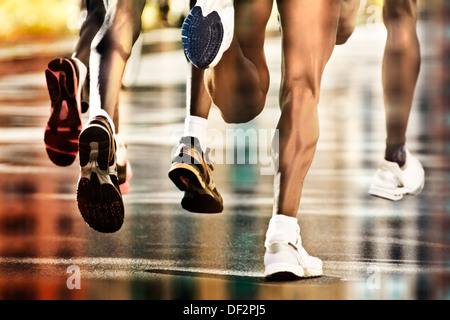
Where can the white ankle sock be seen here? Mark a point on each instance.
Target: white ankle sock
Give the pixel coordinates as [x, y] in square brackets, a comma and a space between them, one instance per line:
[196, 127]
[282, 228]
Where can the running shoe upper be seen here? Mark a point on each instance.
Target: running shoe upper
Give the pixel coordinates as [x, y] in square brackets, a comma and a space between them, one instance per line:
[191, 172]
[189, 152]
[393, 182]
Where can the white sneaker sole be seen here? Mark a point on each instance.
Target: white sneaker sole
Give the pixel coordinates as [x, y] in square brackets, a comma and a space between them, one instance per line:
[275, 269]
[281, 259]
[394, 194]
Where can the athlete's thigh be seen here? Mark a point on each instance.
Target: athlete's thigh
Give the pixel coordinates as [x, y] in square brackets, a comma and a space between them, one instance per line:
[130, 8]
[309, 34]
[349, 7]
[123, 16]
[347, 20]
[95, 7]
[399, 9]
[251, 17]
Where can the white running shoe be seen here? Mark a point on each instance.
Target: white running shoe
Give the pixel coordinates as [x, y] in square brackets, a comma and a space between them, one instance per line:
[392, 182]
[285, 256]
[207, 32]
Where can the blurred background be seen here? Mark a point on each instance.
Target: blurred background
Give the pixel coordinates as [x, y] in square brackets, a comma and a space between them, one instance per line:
[32, 31]
[47, 20]
[31, 20]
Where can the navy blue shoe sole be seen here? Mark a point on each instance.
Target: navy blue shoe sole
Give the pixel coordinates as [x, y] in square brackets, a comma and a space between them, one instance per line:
[202, 37]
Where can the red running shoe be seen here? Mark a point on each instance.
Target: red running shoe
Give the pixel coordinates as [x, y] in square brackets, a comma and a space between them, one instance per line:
[64, 125]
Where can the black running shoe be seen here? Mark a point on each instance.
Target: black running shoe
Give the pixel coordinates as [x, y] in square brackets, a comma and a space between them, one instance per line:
[99, 198]
[191, 173]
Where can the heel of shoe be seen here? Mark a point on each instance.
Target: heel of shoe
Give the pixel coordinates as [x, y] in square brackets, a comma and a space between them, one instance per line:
[52, 85]
[184, 178]
[418, 190]
[94, 146]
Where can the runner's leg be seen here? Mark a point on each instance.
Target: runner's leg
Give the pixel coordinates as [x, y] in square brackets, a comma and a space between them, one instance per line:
[401, 66]
[190, 169]
[95, 16]
[400, 172]
[309, 35]
[308, 41]
[110, 51]
[99, 198]
[66, 83]
[198, 102]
